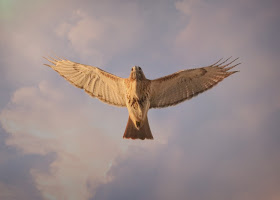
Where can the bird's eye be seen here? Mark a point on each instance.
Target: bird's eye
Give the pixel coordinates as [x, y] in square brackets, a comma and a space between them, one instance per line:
[140, 68]
[131, 69]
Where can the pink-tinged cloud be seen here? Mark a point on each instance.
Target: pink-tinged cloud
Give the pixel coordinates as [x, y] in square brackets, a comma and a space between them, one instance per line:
[40, 120]
[99, 39]
[222, 144]
[230, 29]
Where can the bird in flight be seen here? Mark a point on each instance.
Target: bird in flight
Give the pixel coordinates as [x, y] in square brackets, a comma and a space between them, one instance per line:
[140, 94]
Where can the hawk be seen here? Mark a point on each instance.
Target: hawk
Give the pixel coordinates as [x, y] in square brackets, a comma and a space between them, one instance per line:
[140, 94]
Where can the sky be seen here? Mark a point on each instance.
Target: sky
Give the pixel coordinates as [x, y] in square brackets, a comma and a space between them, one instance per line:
[56, 142]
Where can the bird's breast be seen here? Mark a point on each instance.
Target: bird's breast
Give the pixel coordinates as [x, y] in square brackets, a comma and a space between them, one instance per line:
[137, 100]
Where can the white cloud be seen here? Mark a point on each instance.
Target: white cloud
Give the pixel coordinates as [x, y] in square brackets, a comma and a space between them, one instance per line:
[209, 31]
[96, 35]
[46, 119]
[40, 120]
[100, 38]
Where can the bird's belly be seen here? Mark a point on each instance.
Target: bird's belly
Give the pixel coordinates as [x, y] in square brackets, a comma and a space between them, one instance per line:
[137, 109]
[138, 102]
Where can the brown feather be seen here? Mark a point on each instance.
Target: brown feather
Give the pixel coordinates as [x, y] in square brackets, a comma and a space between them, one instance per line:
[133, 133]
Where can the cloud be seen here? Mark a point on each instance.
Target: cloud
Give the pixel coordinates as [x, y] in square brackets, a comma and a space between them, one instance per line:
[70, 31]
[211, 30]
[223, 143]
[10, 192]
[208, 159]
[40, 121]
[15, 179]
[92, 36]
[222, 27]
[186, 6]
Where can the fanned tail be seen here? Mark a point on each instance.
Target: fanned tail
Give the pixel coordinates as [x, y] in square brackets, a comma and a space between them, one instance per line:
[133, 133]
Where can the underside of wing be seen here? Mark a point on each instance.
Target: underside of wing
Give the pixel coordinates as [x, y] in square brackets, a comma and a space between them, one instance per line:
[96, 82]
[183, 85]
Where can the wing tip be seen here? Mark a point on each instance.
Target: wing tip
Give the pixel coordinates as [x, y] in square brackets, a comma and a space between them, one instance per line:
[48, 65]
[234, 71]
[51, 60]
[224, 64]
[229, 68]
[55, 59]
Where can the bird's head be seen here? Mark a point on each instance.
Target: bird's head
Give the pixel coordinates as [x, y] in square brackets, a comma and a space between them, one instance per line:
[137, 73]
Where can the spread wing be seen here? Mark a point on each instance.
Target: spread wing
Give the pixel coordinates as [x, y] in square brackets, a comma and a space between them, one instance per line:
[183, 85]
[96, 82]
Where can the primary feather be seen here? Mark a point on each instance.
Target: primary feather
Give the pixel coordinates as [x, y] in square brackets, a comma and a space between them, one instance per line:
[96, 82]
[183, 85]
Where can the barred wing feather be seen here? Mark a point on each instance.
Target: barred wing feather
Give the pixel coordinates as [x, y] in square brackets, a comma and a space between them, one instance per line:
[183, 85]
[96, 82]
